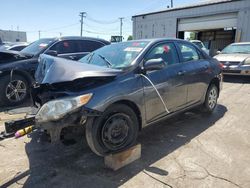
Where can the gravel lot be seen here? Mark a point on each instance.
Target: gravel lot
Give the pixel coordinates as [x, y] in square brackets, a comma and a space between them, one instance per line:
[191, 150]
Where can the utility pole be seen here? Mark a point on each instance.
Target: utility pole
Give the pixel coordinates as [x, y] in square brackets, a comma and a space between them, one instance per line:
[172, 3]
[121, 24]
[82, 15]
[39, 34]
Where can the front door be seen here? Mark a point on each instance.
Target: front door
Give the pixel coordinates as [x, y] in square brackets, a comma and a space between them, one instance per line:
[164, 90]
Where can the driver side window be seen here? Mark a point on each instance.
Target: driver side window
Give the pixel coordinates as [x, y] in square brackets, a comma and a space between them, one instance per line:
[165, 51]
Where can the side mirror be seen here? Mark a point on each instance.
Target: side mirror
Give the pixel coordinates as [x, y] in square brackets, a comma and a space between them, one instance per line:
[154, 64]
[52, 52]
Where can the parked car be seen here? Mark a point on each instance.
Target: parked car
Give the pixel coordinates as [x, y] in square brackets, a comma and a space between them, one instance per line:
[119, 89]
[200, 45]
[15, 46]
[17, 68]
[235, 59]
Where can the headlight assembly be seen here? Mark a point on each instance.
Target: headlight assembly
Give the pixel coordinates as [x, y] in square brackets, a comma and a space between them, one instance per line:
[247, 61]
[56, 109]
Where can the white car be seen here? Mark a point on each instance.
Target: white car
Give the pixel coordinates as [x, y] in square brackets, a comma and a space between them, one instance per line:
[235, 59]
[200, 45]
[15, 46]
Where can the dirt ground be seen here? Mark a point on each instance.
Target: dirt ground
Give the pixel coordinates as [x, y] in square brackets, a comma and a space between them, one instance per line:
[191, 150]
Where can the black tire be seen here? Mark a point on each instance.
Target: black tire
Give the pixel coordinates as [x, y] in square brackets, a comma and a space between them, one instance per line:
[211, 99]
[9, 97]
[102, 132]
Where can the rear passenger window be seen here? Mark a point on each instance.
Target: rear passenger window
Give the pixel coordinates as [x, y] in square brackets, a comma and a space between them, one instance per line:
[166, 51]
[67, 46]
[188, 52]
[89, 46]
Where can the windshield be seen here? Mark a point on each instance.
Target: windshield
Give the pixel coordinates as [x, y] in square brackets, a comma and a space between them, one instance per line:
[199, 44]
[37, 46]
[117, 56]
[237, 48]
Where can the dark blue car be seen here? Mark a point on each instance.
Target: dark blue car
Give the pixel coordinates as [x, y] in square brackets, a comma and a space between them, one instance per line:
[119, 89]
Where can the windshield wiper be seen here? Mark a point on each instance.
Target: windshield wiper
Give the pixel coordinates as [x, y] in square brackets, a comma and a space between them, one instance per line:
[90, 57]
[106, 60]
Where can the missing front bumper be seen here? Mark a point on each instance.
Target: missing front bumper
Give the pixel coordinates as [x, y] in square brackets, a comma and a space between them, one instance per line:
[76, 118]
[53, 128]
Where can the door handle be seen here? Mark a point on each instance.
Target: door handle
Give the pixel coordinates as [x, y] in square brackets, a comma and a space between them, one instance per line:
[180, 73]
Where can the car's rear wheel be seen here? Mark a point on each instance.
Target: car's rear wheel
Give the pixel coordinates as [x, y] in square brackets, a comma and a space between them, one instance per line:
[13, 91]
[211, 99]
[114, 131]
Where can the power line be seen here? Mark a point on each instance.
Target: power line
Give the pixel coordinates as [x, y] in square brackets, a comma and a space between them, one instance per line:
[101, 21]
[62, 27]
[101, 29]
[53, 29]
[99, 33]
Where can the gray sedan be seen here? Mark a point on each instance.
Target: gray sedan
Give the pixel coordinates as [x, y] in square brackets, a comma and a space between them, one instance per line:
[235, 59]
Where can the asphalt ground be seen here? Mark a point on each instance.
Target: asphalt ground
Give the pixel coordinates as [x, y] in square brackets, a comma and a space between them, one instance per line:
[190, 150]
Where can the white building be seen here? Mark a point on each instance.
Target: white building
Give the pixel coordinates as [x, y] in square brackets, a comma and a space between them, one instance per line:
[13, 36]
[217, 23]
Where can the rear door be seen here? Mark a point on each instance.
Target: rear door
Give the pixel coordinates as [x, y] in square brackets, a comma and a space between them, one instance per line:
[197, 70]
[75, 49]
[164, 90]
[68, 49]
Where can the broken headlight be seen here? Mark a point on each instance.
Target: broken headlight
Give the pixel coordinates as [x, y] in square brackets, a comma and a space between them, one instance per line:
[56, 109]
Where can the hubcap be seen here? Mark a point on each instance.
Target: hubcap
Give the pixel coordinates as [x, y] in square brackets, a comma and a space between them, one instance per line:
[115, 131]
[212, 98]
[16, 91]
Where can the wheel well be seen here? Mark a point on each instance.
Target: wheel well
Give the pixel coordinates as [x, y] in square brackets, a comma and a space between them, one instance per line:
[20, 73]
[216, 82]
[134, 107]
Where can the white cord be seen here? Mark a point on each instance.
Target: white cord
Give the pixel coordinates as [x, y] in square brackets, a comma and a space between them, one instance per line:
[164, 104]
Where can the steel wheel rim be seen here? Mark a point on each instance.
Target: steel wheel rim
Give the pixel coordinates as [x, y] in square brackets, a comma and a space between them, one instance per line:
[212, 98]
[115, 131]
[16, 91]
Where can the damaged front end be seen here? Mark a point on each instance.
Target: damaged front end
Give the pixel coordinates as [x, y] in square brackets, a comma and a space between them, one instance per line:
[62, 92]
[59, 110]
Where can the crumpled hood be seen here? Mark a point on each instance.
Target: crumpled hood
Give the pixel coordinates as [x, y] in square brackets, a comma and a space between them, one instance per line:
[232, 57]
[55, 70]
[11, 56]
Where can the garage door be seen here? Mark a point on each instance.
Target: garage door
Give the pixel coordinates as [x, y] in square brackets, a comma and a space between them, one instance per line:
[208, 22]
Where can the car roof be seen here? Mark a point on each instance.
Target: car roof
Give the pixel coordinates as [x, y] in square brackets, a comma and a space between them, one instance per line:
[157, 40]
[240, 43]
[77, 38]
[81, 38]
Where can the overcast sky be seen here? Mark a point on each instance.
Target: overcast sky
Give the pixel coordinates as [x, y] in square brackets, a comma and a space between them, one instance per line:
[61, 17]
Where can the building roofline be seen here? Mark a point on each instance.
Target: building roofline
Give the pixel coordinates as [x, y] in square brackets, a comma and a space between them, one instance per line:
[187, 7]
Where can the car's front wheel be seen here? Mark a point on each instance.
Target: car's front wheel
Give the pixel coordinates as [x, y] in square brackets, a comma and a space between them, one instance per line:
[211, 98]
[114, 131]
[13, 91]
